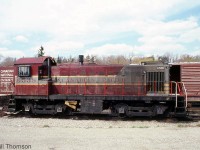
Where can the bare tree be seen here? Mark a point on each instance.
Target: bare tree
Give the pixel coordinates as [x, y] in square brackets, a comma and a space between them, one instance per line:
[8, 61]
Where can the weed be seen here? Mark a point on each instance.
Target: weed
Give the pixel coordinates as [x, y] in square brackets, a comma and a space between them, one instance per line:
[183, 126]
[46, 126]
[198, 125]
[143, 127]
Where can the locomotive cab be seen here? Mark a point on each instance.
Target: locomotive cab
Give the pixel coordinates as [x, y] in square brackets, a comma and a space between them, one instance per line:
[33, 75]
[29, 75]
[32, 80]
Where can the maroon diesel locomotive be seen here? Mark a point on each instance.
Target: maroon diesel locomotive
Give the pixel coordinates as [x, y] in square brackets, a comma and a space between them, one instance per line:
[40, 86]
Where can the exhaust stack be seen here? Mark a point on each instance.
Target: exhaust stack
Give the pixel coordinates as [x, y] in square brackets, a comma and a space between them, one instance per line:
[81, 59]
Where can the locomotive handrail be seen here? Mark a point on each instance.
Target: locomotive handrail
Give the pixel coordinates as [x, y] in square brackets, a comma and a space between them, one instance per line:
[180, 91]
[185, 91]
[176, 85]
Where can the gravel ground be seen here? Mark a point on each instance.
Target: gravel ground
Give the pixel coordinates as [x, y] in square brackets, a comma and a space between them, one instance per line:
[61, 134]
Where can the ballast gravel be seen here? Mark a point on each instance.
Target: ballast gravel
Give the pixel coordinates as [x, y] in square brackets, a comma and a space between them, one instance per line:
[102, 134]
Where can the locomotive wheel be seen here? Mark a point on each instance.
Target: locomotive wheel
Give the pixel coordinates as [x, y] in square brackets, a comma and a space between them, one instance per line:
[121, 110]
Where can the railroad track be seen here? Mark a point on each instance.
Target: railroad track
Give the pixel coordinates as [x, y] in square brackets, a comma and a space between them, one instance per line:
[194, 113]
[21, 114]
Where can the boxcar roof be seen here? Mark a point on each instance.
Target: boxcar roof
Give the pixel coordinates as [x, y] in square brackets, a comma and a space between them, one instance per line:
[186, 64]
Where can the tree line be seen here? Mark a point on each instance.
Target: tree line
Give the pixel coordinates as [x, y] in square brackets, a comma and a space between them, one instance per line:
[113, 59]
[118, 59]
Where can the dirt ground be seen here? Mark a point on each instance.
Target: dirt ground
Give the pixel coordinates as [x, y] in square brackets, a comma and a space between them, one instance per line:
[62, 134]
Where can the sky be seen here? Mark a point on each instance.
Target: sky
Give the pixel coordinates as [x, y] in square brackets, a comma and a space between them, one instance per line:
[99, 27]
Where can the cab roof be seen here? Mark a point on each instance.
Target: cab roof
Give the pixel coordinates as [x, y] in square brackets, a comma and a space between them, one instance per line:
[34, 60]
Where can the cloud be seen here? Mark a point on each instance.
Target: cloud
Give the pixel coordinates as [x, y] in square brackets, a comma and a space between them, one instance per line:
[21, 38]
[82, 17]
[190, 35]
[149, 49]
[3, 39]
[59, 48]
[111, 49]
[172, 28]
[160, 37]
[70, 26]
[155, 46]
[5, 52]
[157, 37]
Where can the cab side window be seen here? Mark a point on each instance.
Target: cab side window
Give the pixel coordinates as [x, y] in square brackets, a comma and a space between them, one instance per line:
[24, 71]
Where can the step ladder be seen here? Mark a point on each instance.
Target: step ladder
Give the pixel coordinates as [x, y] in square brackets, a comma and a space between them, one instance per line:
[181, 99]
[11, 105]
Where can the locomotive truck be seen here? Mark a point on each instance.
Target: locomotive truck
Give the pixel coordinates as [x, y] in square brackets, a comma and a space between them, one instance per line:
[41, 86]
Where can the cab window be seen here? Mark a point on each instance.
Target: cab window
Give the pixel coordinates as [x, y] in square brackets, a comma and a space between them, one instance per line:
[24, 71]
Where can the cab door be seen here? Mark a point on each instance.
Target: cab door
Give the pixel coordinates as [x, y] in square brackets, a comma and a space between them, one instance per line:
[44, 79]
